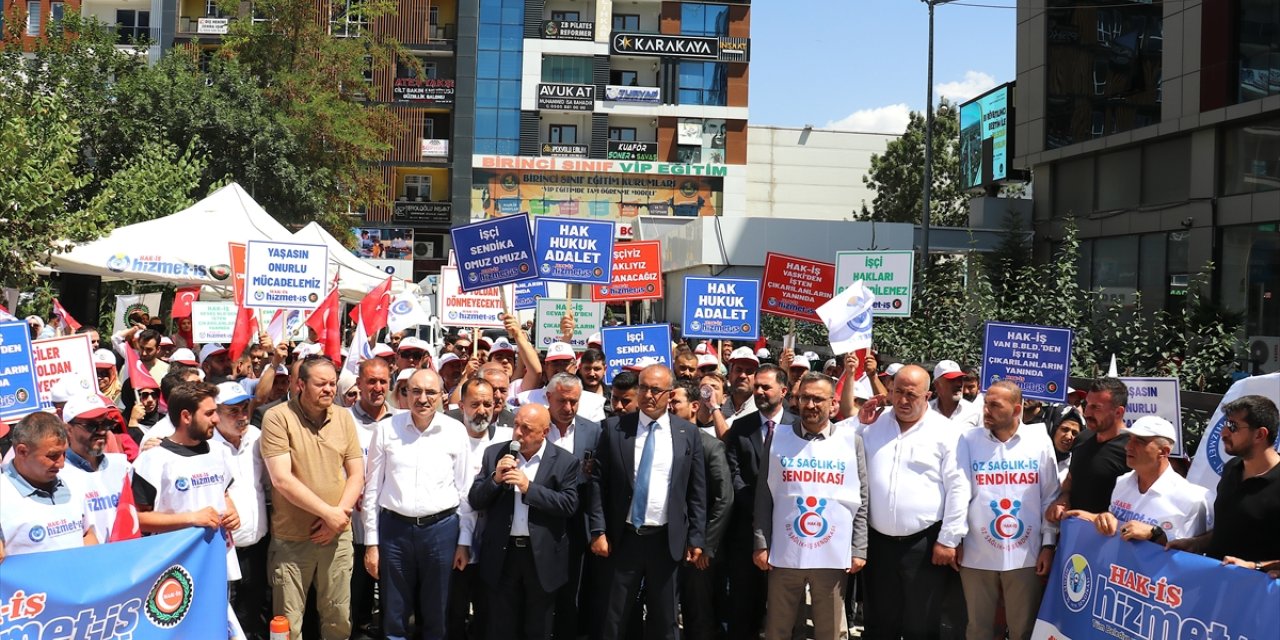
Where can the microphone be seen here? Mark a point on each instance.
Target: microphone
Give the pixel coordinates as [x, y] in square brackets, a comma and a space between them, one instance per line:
[513, 450]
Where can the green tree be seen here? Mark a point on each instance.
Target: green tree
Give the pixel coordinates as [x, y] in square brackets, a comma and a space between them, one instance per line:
[897, 175]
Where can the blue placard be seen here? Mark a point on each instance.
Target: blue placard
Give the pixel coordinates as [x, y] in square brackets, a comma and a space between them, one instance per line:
[1037, 359]
[727, 308]
[527, 294]
[574, 250]
[494, 252]
[1104, 587]
[625, 345]
[18, 393]
[172, 585]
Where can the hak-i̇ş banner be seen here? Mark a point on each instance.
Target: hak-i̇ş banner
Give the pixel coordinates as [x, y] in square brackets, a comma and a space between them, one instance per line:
[628, 345]
[721, 308]
[494, 252]
[170, 586]
[1104, 587]
[574, 250]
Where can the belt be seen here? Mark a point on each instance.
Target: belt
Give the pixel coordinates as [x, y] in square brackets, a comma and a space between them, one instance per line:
[421, 521]
[923, 533]
[520, 542]
[647, 531]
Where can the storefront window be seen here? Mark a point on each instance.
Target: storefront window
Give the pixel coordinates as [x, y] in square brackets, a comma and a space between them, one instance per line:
[1250, 279]
[567, 69]
[1259, 49]
[702, 83]
[1115, 268]
[1251, 158]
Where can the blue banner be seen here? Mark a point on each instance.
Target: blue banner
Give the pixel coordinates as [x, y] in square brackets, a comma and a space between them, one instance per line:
[626, 345]
[494, 252]
[18, 393]
[1037, 359]
[574, 250]
[721, 308]
[1105, 587]
[527, 294]
[172, 585]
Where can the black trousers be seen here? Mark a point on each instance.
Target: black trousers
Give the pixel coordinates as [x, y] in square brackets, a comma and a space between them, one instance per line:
[251, 594]
[748, 589]
[363, 595]
[468, 605]
[571, 598]
[635, 559]
[905, 591]
[701, 601]
[521, 609]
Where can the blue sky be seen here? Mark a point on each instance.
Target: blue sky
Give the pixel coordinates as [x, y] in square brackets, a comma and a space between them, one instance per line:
[861, 64]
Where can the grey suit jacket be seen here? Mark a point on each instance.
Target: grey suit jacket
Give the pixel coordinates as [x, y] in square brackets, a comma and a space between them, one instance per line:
[586, 439]
[719, 491]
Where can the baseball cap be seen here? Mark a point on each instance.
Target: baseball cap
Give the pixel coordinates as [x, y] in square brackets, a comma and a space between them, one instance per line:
[502, 344]
[166, 341]
[595, 339]
[641, 363]
[830, 363]
[485, 341]
[707, 360]
[308, 349]
[811, 356]
[231, 393]
[446, 359]
[70, 387]
[1150, 427]
[700, 349]
[210, 350]
[411, 343]
[559, 351]
[184, 356]
[463, 333]
[282, 370]
[762, 353]
[947, 369]
[743, 353]
[87, 406]
[381, 350]
[33, 319]
[103, 359]
[800, 361]
[893, 369]
[405, 374]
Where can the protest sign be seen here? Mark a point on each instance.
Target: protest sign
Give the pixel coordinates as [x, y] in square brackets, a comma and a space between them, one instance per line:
[888, 274]
[529, 293]
[64, 357]
[1155, 397]
[475, 308]
[237, 249]
[626, 345]
[574, 250]
[171, 585]
[18, 393]
[1102, 586]
[285, 275]
[587, 318]
[1037, 359]
[721, 308]
[795, 287]
[494, 252]
[212, 322]
[637, 273]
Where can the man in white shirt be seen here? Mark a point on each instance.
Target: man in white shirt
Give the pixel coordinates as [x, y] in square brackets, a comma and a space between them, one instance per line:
[41, 512]
[239, 440]
[373, 379]
[743, 364]
[1012, 478]
[414, 499]
[918, 509]
[559, 358]
[948, 396]
[1152, 502]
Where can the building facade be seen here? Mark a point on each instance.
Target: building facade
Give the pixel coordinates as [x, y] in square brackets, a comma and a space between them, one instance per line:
[795, 172]
[1156, 127]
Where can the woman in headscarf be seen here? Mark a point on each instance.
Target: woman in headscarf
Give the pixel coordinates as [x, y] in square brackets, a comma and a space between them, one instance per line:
[1064, 437]
[348, 392]
[108, 378]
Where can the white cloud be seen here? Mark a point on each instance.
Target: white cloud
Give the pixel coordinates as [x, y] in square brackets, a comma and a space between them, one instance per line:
[974, 83]
[889, 119]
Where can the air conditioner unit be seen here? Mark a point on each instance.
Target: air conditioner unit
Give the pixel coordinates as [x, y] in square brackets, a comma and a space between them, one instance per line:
[1264, 351]
[424, 251]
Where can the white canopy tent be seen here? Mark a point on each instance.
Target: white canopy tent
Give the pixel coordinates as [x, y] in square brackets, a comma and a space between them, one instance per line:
[355, 276]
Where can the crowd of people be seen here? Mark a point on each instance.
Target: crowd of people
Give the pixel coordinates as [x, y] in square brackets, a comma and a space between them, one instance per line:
[487, 490]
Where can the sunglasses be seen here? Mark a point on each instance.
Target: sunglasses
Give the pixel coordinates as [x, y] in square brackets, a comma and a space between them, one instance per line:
[147, 394]
[1233, 427]
[412, 354]
[96, 425]
[351, 394]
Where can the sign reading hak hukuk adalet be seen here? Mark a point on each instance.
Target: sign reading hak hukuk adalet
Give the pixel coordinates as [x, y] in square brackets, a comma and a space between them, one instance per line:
[18, 393]
[1155, 397]
[574, 250]
[528, 294]
[285, 275]
[494, 252]
[625, 346]
[721, 308]
[1037, 359]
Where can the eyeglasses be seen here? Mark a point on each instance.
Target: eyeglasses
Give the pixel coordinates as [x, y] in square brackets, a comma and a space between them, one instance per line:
[657, 391]
[96, 425]
[104, 373]
[803, 400]
[1233, 427]
[430, 393]
[142, 395]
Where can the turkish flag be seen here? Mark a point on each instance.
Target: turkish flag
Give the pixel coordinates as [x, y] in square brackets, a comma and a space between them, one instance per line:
[69, 324]
[182, 299]
[373, 308]
[245, 332]
[126, 526]
[139, 376]
[327, 322]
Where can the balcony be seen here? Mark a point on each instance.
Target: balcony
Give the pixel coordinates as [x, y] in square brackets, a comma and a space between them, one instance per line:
[201, 19]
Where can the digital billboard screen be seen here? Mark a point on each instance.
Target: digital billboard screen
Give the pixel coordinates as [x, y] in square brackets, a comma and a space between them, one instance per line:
[986, 138]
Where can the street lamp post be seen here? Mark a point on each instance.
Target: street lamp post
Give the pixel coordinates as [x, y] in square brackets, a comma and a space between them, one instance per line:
[928, 144]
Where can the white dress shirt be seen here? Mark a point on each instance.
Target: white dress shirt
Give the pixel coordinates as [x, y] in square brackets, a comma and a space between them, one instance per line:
[248, 491]
[1179, 507]
[473, 527]
[415, 473]
[966, 413]
[913, 476]
[563, 441]
[655, 512]
[520, 517]
[765, 420]
[590, 405]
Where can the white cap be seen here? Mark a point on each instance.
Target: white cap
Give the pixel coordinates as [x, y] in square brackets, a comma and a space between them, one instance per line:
[701, 348]
[502, 344]
[36, 319]
[103, 358]
[463, 333]
[595, 339]
[166, 341]
[282, 370]
[744, 353]
[413, 342]
[947, 369]
[762, 353]
[308, 349]
[184, 356]
[446, 359]
[70, 387]
[1150, 427]
[811, 356]
[383, 349]
[345, 382]
[87, 405]
[893, 369]
[801, 362]
[559, 351]
[641, 363]
[210, 350]
[232, 393]
[485, 340]
[708, 360]
[405, 374]
[830, 363]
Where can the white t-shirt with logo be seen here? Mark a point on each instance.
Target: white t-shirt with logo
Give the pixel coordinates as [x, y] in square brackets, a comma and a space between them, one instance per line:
[101, 490]
[1174, 504]
[33, 524]
[184, 481]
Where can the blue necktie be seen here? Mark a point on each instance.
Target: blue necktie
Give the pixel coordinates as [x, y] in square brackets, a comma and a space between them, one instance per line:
[640, 498]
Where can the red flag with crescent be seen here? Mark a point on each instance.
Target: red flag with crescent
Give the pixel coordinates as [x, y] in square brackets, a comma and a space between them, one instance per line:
[327, 322]
[139, 376]
[182, 300]
[126, 525]
[373, 308]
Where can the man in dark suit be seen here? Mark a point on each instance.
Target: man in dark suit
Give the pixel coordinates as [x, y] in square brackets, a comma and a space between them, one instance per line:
[744, 449]
[528, 501]
[577, 435]
[648, 508]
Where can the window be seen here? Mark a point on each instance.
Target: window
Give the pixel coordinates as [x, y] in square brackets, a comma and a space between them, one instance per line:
[704, 19]
[1258, 49]
[56, 11]
[33, 18]
[416, 188]
[429, 128]
[499, 67]
[1251, 158]
[702, 83]
[624, 78]
[626, 22]
[211, 9]
[622, 134]
[1250, 278]
[433, 15]
[348, 19]
[562, 134]
[565, 16]
[132, 25]
[568, 69]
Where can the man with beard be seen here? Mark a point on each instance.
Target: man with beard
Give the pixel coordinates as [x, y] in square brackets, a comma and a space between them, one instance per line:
[373, 379]
[239, 440]
[98, 474]
[1098, 457]
[477, 412]
[591, 368]
[742, 372]
[496, 375]
[623, 395]
[215, 361]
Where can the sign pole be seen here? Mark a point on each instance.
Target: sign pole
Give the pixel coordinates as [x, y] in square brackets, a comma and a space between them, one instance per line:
[628, 306]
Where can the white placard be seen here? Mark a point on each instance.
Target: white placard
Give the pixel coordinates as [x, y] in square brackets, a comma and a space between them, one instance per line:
[58, 358]
[1155, 397]
[888, 274]
[285, 275]
[213, 322]
[587, 318]
[479, 308]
